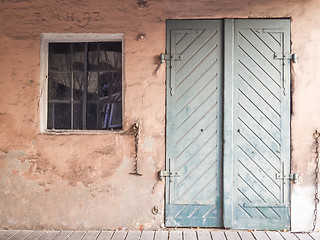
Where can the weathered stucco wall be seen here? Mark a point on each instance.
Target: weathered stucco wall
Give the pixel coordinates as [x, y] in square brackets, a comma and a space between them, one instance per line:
[82, 181]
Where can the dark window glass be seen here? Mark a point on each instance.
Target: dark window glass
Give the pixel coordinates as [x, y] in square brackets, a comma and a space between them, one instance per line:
[85, 86]
[59, 86]
[78, 57]
[59, 57]
[110, 115]
[92, 93]
[78, 85]
[93, 56]
[59, 116]
[92, 116]
[77, 116]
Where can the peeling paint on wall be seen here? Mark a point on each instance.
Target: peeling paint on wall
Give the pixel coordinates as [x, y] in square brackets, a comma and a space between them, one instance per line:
[77, 181]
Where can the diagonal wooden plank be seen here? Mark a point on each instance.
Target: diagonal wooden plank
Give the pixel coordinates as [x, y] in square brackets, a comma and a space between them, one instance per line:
[315, 235]
[175, 235]
[261, 62]
[63, 235]
[195, 53]
[258, 126]
[274, 235]
[231, 235]
[218, 235]
[205, 49]
[246, 235]
[249, 173]
[5, 234]
[186, 40]
[194, 109]
[91, 235]
[201, 151]
[253, 151]
[263, 177]
[161, 235]
[303, 236]
[262, 113]
[247, 136]
[288, 236]
[259, 101]
[191, 126]
[262, 46]
[248, 67]
[133, 235]
[264, 174]
[49, 235]
[190, 98]
[180, 37]
[76, 235]
[248, 187]
[251, 74]
[205, 181]
[254, 139]
[245, 82]
[271, 40]
[203, 235]
[21, 235]
[105, 235]
[190, 89]
[147, 235]
[34, 235]
[119, 235]
[189, 235]
[192, 51]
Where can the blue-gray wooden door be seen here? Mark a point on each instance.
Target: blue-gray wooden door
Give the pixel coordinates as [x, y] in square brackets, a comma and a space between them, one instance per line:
[238, 68]
[257, 124]
[193, 133]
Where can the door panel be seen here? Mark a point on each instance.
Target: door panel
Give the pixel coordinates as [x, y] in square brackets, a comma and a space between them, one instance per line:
[194, 123]
[261, 124]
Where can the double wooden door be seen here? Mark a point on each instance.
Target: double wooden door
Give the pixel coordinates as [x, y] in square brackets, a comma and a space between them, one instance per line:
[228, 123]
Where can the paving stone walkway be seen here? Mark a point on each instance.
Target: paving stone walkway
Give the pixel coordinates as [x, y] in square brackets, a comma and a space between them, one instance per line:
[155, 235]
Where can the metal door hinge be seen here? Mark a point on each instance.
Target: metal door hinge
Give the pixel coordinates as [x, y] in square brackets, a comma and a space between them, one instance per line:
[164, 57]
[292, 57]
[293, 176]
[164, 173]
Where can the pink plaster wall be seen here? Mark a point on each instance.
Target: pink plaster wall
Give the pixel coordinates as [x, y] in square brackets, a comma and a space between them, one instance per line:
[82, 181]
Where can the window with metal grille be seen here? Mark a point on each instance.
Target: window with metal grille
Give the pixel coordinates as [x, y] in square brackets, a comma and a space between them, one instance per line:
[85, 86]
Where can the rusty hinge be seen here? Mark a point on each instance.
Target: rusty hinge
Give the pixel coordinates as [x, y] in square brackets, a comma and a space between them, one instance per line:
[292, 57]
[164, 57]
[164, 173]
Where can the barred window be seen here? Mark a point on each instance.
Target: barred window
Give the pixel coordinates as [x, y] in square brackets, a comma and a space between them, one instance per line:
[84, 86]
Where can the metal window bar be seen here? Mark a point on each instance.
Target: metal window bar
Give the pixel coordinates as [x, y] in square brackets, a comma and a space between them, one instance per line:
[53, 125]
[72, 83]
[84, 103]
[99, 92]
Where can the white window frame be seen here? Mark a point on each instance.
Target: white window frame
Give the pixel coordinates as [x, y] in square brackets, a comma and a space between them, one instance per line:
[47, 38]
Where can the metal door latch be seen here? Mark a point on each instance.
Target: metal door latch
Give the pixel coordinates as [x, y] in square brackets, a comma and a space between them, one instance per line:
[293, 176]
[164, 57]
[164, 173]
[292, 57]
